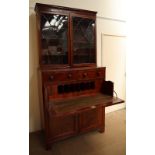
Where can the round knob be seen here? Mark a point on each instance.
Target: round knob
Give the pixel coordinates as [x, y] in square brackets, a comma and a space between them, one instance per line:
[69, 76]
[93, 107]
[84, 74]
[51, 77]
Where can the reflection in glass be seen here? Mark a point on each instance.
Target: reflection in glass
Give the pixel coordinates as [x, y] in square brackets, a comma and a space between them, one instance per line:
[54, 30]
[83, 40]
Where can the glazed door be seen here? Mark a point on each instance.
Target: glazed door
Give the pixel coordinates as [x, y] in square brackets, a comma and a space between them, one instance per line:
[54, 39]
[83, 40]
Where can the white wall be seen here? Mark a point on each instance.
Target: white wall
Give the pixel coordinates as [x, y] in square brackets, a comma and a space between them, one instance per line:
[114, 60]
[105, 8]
[34, 109]
[110, 20]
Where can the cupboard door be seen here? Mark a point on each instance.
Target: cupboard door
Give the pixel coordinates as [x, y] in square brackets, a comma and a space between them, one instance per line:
[83, 31]
[63, 126]
[91, 119]
[54, 39]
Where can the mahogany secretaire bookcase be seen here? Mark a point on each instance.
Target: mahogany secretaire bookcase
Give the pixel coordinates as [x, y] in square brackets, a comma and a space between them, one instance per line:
[75, 92]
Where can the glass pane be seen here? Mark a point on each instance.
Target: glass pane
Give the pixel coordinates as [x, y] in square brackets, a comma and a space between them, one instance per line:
[54, 30]
[83, 40]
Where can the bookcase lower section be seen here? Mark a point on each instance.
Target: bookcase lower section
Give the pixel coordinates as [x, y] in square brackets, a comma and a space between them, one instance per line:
[61, 127]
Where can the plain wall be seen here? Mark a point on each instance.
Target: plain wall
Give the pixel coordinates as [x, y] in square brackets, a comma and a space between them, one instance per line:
[110, 20]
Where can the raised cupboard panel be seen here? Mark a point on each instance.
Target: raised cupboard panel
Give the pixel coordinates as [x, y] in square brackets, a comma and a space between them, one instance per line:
[63, 126]
[91, 119]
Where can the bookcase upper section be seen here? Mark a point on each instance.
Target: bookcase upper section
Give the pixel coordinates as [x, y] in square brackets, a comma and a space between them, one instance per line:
[66, 36]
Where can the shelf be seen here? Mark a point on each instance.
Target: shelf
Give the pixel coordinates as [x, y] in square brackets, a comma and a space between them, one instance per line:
[57, 38]
[55, 55]
[82, 42]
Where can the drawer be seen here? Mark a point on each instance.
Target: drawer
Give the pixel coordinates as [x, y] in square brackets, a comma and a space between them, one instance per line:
[60, 76]
[91, 74]
[86, 74]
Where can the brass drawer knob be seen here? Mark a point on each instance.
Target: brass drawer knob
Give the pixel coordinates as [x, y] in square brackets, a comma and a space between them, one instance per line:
[93, 107]
[85, 74]
[69, 76]
[51, 77]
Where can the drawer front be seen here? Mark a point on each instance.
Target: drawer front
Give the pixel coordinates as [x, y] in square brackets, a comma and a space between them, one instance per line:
[54, 76]
[91, 119]
[60, 76]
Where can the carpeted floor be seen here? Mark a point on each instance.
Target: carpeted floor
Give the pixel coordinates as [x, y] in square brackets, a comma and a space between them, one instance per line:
[111, 142]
